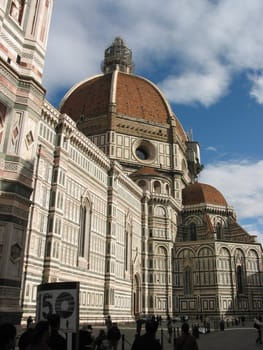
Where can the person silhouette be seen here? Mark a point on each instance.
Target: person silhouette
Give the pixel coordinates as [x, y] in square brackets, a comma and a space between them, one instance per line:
[56, 341]
[147, 340]
[186, 340]
[258, 325]
[7, 336]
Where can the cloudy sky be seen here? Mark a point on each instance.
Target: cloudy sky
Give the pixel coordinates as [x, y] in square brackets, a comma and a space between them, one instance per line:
[207, 58]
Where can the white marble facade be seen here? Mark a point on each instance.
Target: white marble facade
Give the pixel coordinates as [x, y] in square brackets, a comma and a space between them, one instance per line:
[107, 208]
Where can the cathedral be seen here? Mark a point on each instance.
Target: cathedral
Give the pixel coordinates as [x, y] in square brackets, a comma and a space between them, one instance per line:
[104, 191]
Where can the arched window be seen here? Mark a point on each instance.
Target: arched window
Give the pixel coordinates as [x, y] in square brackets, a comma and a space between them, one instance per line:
[48, 248]
[219, 231]
[188, 280]
[126, 250]
[240, 286]
[85, 227]
[157, 187]
[151, 301]
[83, 213]
[206, 266]
[127, 242]
[192, 229]
[159, 211]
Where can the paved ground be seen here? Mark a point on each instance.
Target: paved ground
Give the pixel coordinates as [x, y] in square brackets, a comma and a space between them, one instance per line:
[230, 339]
[236, 338]
[233, 338]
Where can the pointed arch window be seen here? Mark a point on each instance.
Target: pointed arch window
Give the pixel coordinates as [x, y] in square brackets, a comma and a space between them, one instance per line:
[193, 235]
[219, 231]
[85, 228]
[126, 249]
[188, 280]
[150, 301]
[127, 242]
[240, 284]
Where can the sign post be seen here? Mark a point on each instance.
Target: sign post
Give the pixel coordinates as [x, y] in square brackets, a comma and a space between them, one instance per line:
[61, 298]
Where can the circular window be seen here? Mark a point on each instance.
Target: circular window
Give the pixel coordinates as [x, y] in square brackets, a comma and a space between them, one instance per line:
[144, 151]
[141, 153]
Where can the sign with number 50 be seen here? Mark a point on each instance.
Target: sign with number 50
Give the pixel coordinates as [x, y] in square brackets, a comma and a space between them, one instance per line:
[60, 298]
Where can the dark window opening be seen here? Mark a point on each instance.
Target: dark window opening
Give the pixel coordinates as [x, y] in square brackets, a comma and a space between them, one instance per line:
[18, 59]
[141, 153]
[219, 231]
[193, 235]
[188, 281]
[83, 215]
[240, 286]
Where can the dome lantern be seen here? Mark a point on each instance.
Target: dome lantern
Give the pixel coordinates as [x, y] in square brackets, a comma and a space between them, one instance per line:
[117, 56]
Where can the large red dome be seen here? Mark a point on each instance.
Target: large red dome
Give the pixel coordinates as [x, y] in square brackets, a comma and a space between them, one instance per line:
[121, 101]
[198, 193]
[133, 96]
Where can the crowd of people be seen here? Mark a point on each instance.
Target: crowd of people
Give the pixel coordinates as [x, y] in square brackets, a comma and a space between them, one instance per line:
[46, 335]
[106, 339]
[43, 335]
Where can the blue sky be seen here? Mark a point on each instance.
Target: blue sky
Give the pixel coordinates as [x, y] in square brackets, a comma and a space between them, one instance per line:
[207, 58]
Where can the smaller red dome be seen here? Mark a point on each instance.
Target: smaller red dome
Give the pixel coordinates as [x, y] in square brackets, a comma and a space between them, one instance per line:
[199, 193]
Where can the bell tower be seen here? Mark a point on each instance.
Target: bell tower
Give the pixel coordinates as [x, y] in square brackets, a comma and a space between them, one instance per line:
[23, 33]
[24, 29]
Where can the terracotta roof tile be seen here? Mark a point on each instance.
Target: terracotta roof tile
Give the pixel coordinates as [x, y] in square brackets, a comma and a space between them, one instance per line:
[198, 193]
[89, 99]
[146, 171]
[137, 98]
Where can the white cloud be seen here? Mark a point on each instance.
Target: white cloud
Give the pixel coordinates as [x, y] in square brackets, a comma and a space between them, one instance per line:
[257, 87]
[241, 185]
[196, 87]
[211, 149]
[182, 36]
